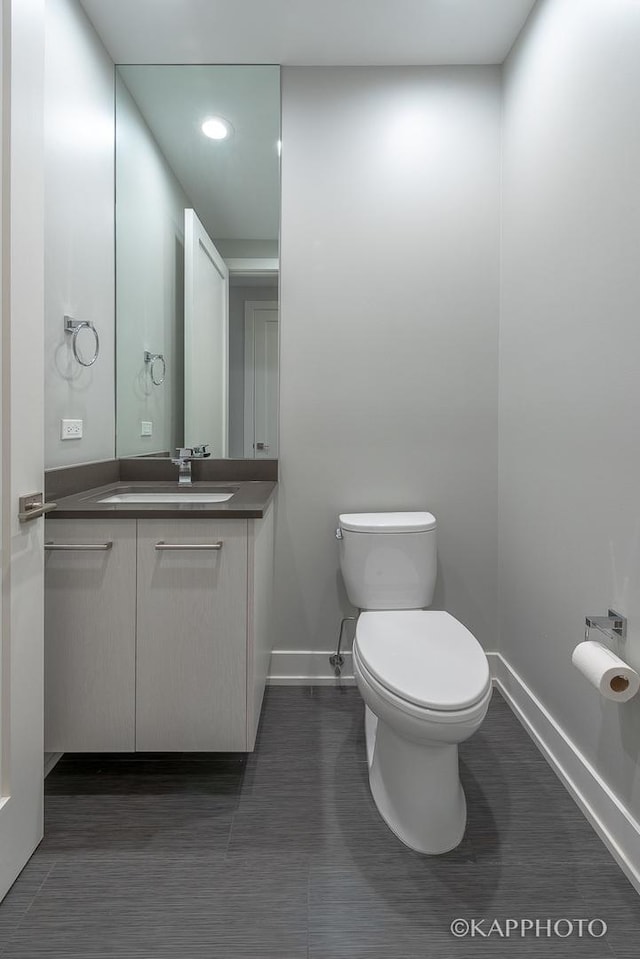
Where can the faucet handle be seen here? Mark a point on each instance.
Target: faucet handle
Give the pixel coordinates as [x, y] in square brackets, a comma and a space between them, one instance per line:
[200, 451]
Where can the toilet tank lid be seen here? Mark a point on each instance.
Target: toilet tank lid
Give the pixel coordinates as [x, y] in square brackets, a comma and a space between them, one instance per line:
[387, 522]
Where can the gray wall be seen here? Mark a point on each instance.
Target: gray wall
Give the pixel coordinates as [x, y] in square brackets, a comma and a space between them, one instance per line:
[79, 233]
[389, 312]
[569, 351]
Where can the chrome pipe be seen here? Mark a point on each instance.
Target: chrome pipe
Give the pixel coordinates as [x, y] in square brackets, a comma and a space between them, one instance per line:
[337, 660]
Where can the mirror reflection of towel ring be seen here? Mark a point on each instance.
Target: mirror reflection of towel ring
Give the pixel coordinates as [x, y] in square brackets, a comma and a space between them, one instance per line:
[73, 327]
[152, 358]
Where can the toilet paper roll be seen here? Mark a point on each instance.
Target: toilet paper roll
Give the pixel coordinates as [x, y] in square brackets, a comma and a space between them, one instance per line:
[607, 672]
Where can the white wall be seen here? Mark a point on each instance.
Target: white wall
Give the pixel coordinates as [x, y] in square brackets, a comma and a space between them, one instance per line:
[389, 307]
[79, 233]
[150, 294]
[569, 351]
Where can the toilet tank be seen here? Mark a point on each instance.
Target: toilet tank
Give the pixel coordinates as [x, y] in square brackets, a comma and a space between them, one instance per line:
[388, 560]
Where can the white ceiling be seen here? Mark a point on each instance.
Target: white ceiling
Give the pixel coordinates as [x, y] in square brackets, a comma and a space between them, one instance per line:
[234, 184]
[309, 32]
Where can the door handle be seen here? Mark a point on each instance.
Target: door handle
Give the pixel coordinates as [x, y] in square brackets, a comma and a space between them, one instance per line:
[262, 446]
[32, 506]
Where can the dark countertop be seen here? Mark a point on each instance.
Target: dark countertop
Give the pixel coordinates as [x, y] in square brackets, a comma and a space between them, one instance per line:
[250, 501]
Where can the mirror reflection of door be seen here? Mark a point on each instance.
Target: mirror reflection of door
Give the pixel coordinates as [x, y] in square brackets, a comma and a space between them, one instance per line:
[261, 379]
[206, 338]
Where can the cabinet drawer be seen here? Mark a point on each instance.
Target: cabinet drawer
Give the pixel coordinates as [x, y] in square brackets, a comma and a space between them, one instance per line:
[191, 685]
[90, 636]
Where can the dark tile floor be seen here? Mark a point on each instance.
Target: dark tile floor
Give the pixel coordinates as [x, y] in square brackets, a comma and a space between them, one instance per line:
[282, 854]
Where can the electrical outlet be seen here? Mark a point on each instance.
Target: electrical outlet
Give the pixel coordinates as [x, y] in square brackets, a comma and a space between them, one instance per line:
[70, 429]
[146, 428]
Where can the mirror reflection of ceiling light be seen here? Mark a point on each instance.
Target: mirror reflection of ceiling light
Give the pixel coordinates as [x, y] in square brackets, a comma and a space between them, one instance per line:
[216, 128]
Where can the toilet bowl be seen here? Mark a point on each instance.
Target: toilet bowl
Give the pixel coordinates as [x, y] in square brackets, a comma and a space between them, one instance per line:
[412, 748]
[423, 676]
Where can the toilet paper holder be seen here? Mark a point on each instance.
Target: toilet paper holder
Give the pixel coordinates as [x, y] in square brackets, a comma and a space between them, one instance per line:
[614, 626]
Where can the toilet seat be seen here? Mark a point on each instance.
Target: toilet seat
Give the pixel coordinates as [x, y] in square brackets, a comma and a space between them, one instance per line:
[423, 658]
[449, 718]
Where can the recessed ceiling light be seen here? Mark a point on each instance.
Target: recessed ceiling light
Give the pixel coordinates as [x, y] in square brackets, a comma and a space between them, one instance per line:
[216, 128]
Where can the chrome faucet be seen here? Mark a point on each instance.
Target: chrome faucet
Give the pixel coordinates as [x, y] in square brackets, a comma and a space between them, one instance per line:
[183, 462]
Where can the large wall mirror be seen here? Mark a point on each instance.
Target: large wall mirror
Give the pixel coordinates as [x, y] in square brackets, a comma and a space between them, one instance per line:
[197, 221]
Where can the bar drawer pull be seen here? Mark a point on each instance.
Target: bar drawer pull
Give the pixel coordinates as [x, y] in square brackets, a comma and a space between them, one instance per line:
[84, 546]
[162, 545]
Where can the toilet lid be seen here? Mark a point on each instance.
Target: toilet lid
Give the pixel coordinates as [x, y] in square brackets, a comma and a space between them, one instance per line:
[424, 656]
[387, 522]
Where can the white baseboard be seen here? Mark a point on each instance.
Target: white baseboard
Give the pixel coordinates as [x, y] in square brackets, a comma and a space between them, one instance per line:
[613, 822]
[50, 760]
[308, 668]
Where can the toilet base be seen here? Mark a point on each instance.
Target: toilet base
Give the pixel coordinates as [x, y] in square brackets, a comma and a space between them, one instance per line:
[416, 787]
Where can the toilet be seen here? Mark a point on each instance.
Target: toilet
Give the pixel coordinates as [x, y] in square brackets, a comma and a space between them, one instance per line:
[423, 676]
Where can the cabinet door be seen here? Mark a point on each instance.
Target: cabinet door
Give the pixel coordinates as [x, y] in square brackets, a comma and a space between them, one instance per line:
[191, 687]
[90, 636]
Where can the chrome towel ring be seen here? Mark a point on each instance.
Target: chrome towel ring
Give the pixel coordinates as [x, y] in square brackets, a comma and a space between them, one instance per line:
[150, 360]
[73, 327]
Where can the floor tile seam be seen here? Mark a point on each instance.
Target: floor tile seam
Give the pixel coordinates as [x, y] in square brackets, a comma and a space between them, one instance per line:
[315, 807]
[166, 767]
[281, 764]
[122, 860]
[319, 790]
[342, 894]
[534, 761]
[4, 948]
[102, 805]
[590, 906]
[612, 951]
[308, 908]
[225, 858]
[537, 864]
[203, 805]
[107, 767]
[272, 783]
[269, 754]
[58, 817]
[128, 793]
[442, 911]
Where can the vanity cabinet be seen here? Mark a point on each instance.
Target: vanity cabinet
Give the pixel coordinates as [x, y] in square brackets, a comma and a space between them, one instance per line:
[90, 635]
[191, 679]
[162, 642]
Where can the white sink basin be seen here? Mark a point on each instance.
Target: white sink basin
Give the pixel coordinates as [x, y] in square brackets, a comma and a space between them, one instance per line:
[167, 498]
